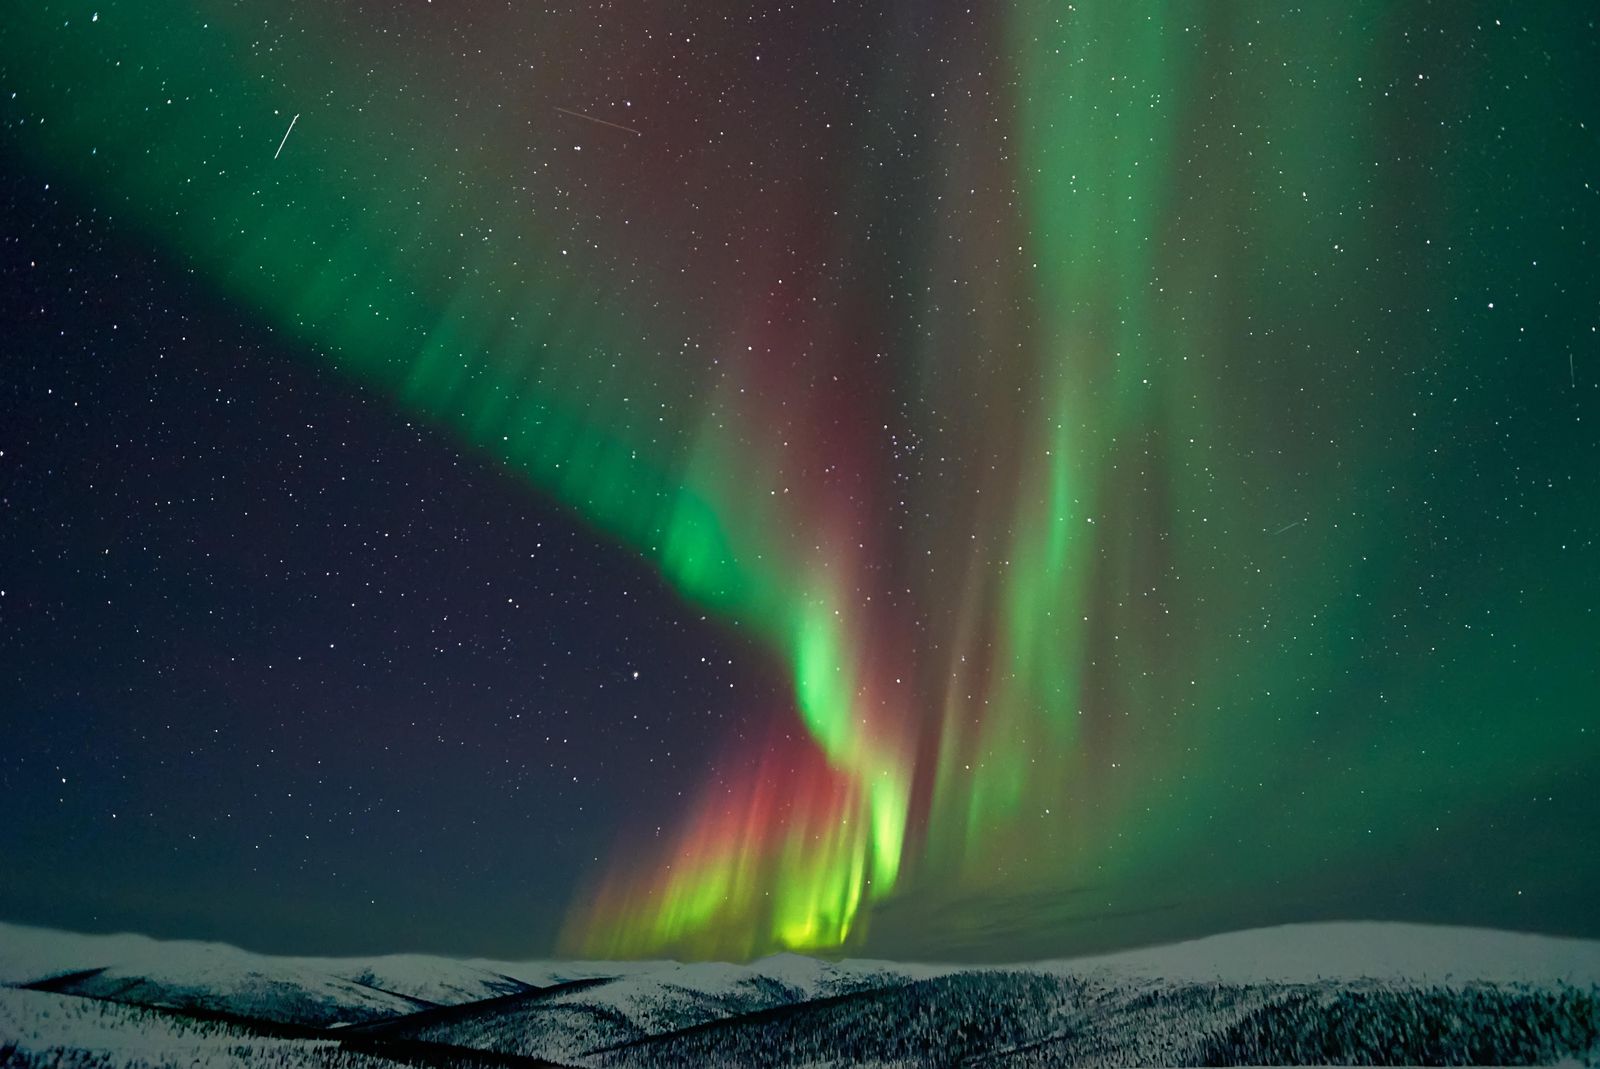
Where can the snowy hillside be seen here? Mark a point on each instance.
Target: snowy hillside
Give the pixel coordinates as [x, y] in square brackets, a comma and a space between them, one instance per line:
[1027, 1018]
[222, 979]
[564, 1023]
[40, 1029]
[1355, 950]
[1353, 993]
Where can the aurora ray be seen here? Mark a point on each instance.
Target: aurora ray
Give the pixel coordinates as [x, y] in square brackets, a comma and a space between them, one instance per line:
[1003, 475]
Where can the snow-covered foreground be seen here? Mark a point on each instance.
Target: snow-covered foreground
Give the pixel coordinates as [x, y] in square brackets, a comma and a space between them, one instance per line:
[40, 1028]
[1304, 994]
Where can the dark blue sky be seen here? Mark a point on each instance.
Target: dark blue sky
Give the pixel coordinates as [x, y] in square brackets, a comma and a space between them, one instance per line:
[283, 669]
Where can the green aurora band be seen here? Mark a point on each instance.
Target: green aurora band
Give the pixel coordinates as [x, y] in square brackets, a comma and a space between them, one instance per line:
[1083, 515]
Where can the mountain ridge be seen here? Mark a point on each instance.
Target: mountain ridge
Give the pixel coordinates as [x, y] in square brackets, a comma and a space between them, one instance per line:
[1335, 992]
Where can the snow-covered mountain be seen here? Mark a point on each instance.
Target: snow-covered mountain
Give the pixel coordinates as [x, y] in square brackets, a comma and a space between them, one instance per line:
[217, 978]
[1357, 950]
[1354, 993]
[568, 1021]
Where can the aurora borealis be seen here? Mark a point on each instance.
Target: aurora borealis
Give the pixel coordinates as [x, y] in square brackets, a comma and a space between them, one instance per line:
[1154, 443]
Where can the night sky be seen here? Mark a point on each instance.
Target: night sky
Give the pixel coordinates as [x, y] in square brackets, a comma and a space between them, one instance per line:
[699, 480]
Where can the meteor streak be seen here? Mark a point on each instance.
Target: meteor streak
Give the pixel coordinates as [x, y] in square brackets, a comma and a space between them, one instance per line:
[602, 122]
[286, 134]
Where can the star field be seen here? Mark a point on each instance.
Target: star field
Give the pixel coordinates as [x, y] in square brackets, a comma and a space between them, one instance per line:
[926, 480]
